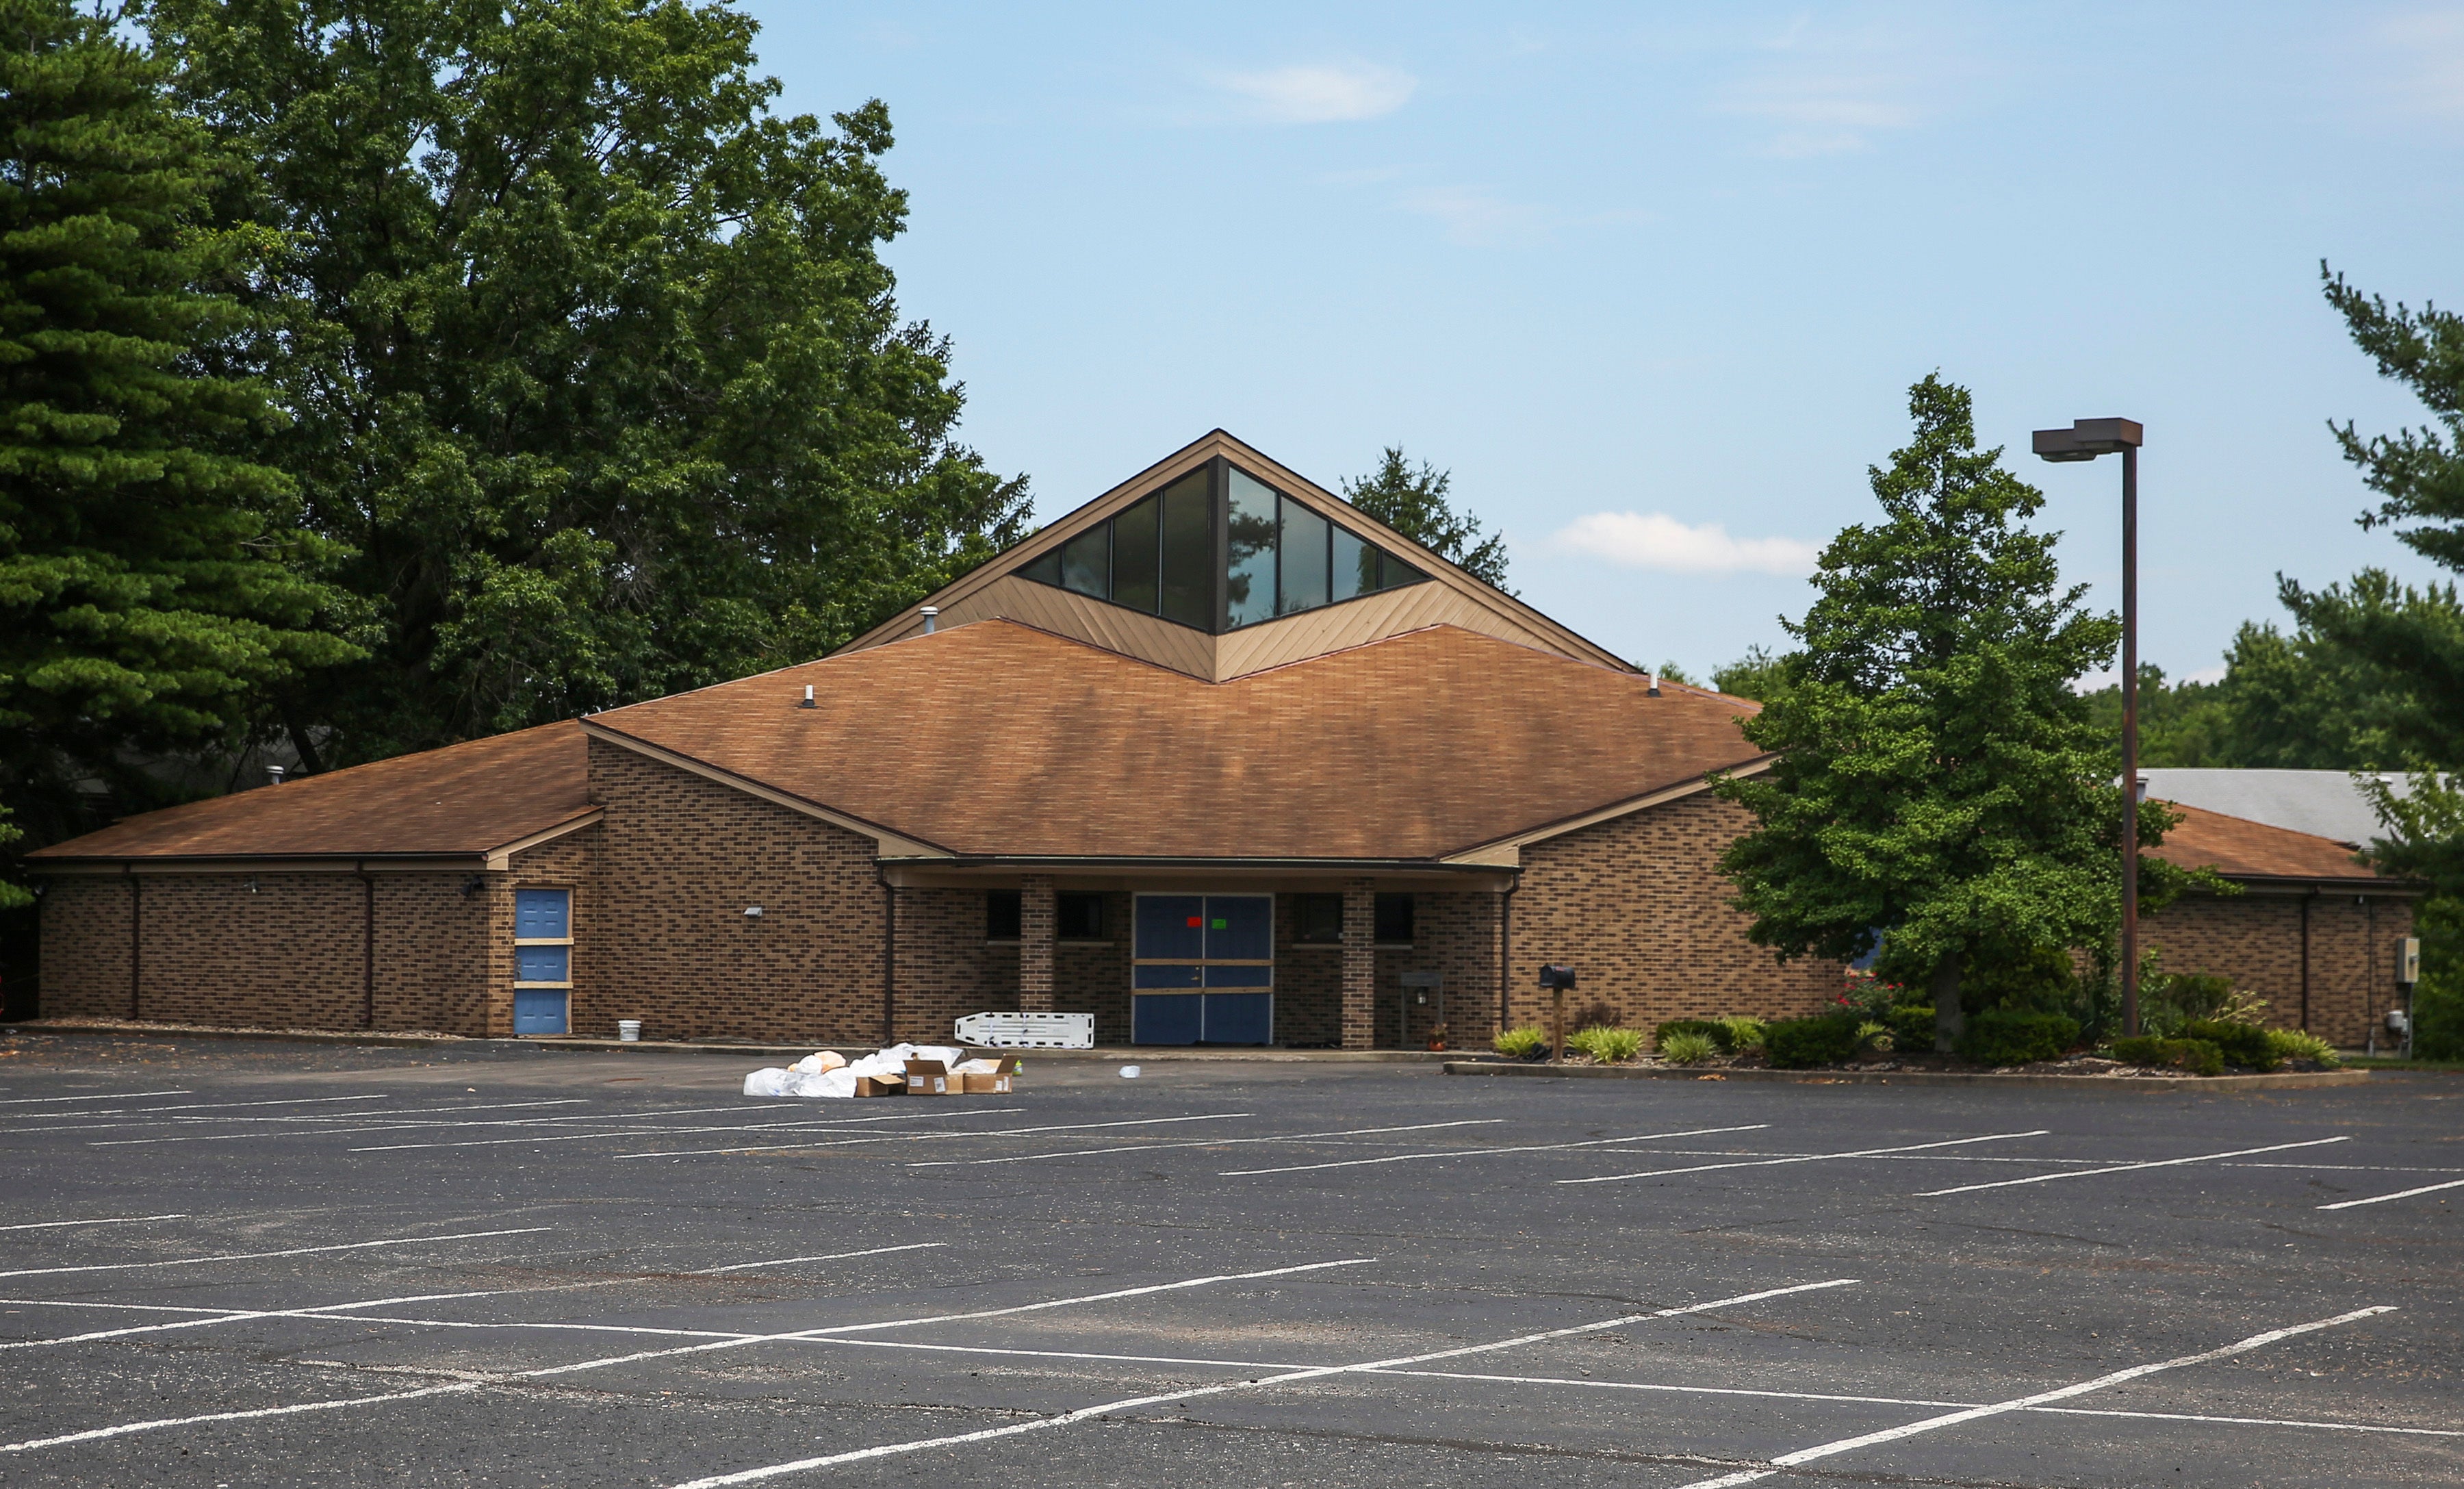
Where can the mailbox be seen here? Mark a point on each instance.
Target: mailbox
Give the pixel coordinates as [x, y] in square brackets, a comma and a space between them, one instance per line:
[1559, 976]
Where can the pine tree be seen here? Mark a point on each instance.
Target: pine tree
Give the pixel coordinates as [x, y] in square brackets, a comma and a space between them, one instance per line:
[1939, 784]
[149, 593]
[1414, 503]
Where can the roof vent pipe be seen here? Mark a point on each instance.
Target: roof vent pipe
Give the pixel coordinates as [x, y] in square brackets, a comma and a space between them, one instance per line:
[1654, 690]
[932, 618]
[808, 698]
[274, 775]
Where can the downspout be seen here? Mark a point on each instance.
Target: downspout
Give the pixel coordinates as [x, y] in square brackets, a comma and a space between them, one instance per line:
[2305, 958]
[367, 946]
[1506, 946]
[889, 956]
[135, 933]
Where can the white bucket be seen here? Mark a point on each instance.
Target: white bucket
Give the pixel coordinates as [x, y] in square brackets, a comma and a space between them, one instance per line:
[629, 1030]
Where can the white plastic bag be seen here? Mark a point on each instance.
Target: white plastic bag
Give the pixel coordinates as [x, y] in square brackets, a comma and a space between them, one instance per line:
[818, 1061]
[835, 1085]
[769, 1082]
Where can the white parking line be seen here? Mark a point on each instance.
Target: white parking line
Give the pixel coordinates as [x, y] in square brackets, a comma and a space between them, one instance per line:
[628, 1132]
[1766, 1163]
[260, 1256]
[2023, 1403]
[139, 1119]
[114, 1095]
[1149, 1147]
[2162, 1163]
[1314, 1372]
[201, 1106]
[91, 1433]
[917, 1137]
[2380, 1199]
[396, 1126]
[54, 1225]
[1481, 1152]
[836, 1256]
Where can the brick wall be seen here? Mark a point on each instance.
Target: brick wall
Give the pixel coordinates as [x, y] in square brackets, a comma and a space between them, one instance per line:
[678, 859]
[1637, 907]
[84, 927]
[2255, 940]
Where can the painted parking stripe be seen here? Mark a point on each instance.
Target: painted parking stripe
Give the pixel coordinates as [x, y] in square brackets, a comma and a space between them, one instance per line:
[396, 1126]
[2380, 1199]
[917, 1137]
[1149, 1147]
[1481, 1152]
[54, 1225]
[202, 1106]
[2161, 1163]
[2023, 1403]
[1766, 1163]
[260, 1256]
[1314, 1372]
[628, 1132]
[349, 1310]
[113, 1095]
[137, 1118]
[126, 1428]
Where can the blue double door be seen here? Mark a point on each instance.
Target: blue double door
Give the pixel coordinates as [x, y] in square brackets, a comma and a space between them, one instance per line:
[1202, 969]
[542, 960]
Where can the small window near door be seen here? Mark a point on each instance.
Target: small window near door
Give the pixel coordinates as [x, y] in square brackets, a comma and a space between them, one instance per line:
[1004, 915]
[1394, 920]
[1317, 919]
[1078, 917]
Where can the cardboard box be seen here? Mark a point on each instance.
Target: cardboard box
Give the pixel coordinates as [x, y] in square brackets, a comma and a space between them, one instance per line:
[931, 1078]
[996, 1084]
[880, 1085]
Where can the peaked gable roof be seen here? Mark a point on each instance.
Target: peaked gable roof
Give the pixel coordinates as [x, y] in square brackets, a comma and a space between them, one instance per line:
[2240, 849]
[997, 589]
[475, 798]
[996, 739]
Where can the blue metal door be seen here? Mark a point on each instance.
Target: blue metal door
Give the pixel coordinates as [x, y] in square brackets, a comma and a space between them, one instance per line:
[542, 960]
[1202, 969]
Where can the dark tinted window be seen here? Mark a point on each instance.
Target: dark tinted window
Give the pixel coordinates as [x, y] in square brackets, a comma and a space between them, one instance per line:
[1133, 557]
[1393, 918]
[1000, 914]
[1078, 917]
[1189, 551]
[1249, 553]
[1356, 566]
[1304, 560]
[1317, 917]
[1045, 570]
[1086, 562]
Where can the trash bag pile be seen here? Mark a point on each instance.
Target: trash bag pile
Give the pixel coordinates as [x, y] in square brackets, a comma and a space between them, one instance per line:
[830, 1075]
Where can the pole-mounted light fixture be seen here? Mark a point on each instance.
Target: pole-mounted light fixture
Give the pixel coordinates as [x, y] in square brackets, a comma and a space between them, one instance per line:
[2084, 440]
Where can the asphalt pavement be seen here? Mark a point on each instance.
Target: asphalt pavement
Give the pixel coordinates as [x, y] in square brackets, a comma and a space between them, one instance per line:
[228, 1263]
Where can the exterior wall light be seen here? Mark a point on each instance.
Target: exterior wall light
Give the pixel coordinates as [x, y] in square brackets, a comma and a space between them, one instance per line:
[753, 912]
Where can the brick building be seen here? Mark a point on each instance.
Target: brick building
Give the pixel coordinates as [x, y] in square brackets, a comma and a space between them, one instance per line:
[1214, 758]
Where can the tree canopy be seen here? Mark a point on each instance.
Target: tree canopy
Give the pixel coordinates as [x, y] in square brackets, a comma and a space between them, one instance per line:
[1939, 783]
[1414, 502]
[589, 358]
[152, 579]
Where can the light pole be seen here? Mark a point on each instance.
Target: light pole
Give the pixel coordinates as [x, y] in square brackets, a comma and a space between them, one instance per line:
[2084, 440]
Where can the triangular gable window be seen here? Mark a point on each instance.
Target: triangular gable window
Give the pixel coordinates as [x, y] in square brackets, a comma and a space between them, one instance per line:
[1218, 550]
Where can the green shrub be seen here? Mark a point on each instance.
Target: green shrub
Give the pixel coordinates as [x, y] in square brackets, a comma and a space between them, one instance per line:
[2198, 1056]
[2015, 1036]
[2243, 1044]
[1685, 1047]
[1521, 1044]
[1710, 1029]
[1802, 1043]
[1744, 1032]
[2292, 1044]
[1912, 1027]
[1873, 1035]
[1606, 1045]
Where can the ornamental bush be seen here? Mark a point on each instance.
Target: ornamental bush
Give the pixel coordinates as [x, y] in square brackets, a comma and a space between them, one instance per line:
[2197, 1057]
[1685, 1046]
[2292, 1044]
[1744, 1032]
[2016, 1037]
[1802, 1043]
[1710, 1029]
[2243, 1044]
[1527, 1043]
[1911, 1028]
[1607, 1045]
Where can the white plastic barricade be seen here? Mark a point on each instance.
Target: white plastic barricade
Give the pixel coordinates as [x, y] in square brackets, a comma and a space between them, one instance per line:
[1028, 1030]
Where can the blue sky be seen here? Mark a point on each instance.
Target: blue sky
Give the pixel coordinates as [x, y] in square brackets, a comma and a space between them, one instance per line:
[1652, 281]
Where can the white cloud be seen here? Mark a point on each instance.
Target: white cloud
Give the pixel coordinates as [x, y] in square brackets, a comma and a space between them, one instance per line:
[1655, 539]
[1826, 91]
[1477, 215]
[2426, 52]
[1324, 93]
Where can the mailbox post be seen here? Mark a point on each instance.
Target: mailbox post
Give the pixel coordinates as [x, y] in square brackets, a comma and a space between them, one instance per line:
[1559, 980]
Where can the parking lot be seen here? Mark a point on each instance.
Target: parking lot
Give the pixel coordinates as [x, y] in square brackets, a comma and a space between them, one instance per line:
[230, 1263]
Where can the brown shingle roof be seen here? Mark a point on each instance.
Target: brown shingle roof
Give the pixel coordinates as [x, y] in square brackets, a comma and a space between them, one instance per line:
[1000, 740]
[2239, 847]
[464, 798]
